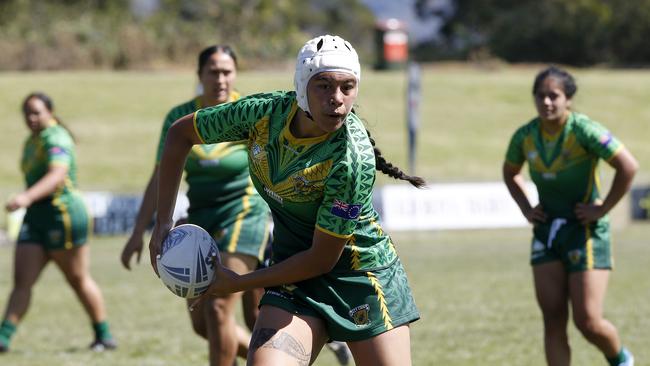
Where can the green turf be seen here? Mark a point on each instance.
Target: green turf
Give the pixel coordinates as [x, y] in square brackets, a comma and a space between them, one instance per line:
[474, 312]
[473, 289]
[467, 116]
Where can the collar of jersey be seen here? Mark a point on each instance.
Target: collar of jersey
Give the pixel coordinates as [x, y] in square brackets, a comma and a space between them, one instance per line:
[51, 122]
[286, 131]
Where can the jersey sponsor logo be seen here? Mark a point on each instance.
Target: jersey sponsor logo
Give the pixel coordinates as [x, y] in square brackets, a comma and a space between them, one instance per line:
[549, 175]
[360, 315]
[273, 195]
[605, 139]
[345, 210]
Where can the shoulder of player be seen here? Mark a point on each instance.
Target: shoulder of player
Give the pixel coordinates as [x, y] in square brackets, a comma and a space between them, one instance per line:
[274, 98]
[581, 124]
[56, 134]
[182, 109]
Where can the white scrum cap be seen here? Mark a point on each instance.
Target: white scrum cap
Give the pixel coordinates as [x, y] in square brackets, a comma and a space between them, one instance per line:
[323, 53]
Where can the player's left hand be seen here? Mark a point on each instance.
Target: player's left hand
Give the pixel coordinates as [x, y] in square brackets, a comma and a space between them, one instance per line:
[18, 201]
[224, 283]
[589, 212]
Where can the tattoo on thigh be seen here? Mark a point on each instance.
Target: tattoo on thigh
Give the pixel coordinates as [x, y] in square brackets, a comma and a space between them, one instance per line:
[284, 342]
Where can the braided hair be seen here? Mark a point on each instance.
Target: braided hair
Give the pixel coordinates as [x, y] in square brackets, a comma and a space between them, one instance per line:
[392, 171]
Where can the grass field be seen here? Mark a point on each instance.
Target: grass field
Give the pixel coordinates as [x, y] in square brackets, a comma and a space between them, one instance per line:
[473, 287]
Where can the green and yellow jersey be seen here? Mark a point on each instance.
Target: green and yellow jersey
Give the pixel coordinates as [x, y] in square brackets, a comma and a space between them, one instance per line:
[323, 183]
[51, 146]
[564, 167]
[60, 221]
[215, 173]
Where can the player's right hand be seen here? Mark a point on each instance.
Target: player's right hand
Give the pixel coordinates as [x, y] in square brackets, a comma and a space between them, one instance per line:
[133, 246]
[536, 215]
[159, 233]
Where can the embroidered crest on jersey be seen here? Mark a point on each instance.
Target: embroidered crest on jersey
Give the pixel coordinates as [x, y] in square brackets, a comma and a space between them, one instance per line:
[360, 315]
[345, 210]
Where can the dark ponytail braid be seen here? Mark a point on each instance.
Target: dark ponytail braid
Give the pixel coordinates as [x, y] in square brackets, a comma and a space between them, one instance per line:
[392, 171]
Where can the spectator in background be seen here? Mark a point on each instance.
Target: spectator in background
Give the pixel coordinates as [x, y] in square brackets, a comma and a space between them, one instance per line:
[56, 224]
[571, 249]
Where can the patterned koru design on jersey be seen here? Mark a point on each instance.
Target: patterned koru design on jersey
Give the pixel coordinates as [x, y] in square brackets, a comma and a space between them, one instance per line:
[323, 182]
[567, 173]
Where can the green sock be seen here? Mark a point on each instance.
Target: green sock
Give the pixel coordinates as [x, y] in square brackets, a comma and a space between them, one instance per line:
[102, 331]
[618, 359]
[7, 329]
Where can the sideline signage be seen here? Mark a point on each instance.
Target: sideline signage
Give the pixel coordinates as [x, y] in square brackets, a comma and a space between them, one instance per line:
[451, 206]
[640, 203]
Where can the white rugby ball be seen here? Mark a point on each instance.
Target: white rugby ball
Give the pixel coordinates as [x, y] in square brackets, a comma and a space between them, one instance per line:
[186, 264]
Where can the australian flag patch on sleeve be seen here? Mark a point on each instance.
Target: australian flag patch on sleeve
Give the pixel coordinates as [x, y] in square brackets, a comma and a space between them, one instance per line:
[345, 210]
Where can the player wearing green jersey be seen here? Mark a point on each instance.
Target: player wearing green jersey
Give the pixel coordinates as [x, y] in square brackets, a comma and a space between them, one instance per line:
[224, 202]
[570, 250]
[335, 273]
[56, 224]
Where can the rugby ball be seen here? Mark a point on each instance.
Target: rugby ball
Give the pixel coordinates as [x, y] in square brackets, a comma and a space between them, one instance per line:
[186, 262]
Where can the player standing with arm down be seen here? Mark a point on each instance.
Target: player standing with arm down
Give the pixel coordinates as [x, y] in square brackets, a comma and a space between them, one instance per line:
[571, 250]
[335, 274]
[56, 225]
[223, 202]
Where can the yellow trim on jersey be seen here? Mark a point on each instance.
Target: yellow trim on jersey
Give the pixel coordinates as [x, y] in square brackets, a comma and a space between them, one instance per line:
[618, 150]
[286, 131]
[385, 314]
[355, 256]
[51, 122]
[333, 233]
[589, 248]
[196, 130]
[234, 239]
[67, 222]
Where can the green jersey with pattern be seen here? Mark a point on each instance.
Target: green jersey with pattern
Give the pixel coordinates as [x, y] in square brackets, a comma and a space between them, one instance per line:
[322, 183]
[215, 173]
[51, 146]
[564, 167]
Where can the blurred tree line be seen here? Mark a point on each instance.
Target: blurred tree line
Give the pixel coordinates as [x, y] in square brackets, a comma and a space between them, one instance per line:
[86, 34]
[575, 32]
